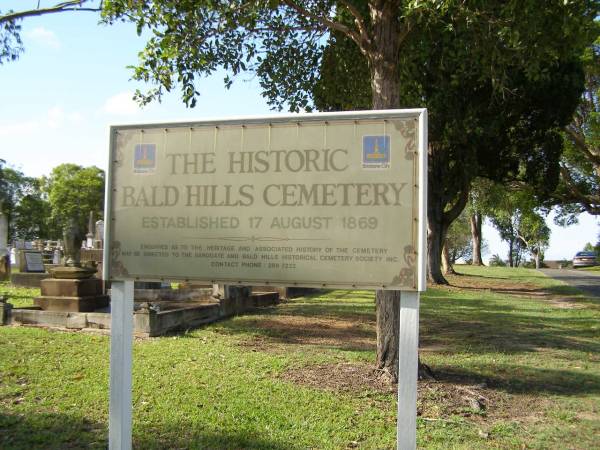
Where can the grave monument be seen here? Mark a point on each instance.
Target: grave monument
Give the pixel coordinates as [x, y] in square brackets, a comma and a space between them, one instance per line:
[72, 286]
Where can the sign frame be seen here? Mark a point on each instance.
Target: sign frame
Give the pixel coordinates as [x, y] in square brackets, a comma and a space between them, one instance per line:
[420, 114]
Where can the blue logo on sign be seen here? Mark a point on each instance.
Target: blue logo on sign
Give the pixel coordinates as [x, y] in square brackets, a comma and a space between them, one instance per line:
[376, 152]
[144, 159]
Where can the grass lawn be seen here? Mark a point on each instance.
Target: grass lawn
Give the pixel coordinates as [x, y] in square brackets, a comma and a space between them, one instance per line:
[516, 358]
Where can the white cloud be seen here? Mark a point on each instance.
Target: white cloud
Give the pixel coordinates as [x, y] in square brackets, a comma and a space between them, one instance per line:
[16, 128]
[55, 117]
[121, 104]
[75, 117]
[52, 119]
[44, 37]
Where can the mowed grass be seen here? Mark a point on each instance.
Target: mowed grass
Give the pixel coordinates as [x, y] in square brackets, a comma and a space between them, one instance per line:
[286, 377]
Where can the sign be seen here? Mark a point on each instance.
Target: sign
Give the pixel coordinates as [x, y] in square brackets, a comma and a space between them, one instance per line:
[329, 200]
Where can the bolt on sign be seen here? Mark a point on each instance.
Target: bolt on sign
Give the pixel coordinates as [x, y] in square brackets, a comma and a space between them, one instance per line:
[334, 199]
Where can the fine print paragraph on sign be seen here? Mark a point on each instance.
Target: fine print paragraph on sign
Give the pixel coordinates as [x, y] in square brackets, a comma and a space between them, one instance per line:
[306, 200]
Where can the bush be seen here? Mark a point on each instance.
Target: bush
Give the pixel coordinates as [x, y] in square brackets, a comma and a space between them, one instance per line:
[496, 261]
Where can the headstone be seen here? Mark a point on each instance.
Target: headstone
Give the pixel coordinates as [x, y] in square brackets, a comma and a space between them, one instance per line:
[31, 261]
[56, 256]
[89, 237]
[14, 257]
[99, 236]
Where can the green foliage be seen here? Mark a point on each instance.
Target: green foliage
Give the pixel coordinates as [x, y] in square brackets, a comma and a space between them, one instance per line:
[496, 261]
[589, 247]
[193, 39]
[458, 239]
[517, 217]
[495, 104]
[11, 44]
[579, 189]
[73, 191]
[24, 203]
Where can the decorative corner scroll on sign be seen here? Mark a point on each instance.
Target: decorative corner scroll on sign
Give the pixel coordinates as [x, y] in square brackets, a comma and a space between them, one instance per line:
[406, 277]
[118, 269]
[408, 130]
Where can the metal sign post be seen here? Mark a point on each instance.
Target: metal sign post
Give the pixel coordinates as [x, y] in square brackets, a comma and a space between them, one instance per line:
[121, 340]
[408, 371]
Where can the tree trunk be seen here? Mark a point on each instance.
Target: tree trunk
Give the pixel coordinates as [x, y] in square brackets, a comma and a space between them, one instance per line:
[387, 305]
[446, 262]
[510, 253]
[385, 86]
[476, 225]
[383, 55]
[436, 234]
[536, 257]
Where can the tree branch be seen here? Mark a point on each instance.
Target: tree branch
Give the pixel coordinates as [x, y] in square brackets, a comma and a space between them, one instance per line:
[74, 5]
[332, 25]
[457, 208]
[581, 145]
[360, 22]
[587, 202]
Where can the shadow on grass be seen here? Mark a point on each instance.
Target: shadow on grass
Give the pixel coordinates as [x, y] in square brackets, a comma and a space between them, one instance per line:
[342, 320]
[52, 431]
[525, 380]
[486, 326]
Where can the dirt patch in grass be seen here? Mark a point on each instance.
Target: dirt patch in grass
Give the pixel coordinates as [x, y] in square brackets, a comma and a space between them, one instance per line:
[307, 330]
[339, 377]
[437, 400]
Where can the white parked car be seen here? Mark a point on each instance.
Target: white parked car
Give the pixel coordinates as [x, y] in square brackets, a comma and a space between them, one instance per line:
[584, 259]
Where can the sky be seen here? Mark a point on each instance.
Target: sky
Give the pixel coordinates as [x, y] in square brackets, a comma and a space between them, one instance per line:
[59, 98]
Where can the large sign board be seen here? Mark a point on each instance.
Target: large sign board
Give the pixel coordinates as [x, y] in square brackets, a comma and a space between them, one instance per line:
[329, 199]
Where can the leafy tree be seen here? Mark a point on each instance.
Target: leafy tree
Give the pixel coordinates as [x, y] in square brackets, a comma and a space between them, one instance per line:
[518, 219]
[23, 203]
[413, 53]
[505, 138]
[579, 188]
[30, 216]
[458, 243]
[11, 44]
[589, 247]
[496, 261]
[73, 191]
[481, 199]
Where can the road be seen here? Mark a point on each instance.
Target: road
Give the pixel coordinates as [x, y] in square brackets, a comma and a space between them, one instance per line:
[588, 282]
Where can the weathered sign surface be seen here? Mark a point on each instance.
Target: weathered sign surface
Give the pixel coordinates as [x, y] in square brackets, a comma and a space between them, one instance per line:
[331, 200]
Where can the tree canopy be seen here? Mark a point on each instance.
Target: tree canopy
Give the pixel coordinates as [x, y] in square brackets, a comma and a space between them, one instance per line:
[521, 222]
[505, 131]
[24, 204]
[73, 191]
[579, 188]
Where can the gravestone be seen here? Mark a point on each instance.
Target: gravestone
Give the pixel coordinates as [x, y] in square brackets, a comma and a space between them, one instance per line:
[89, 237]
[56, 256]
[31, 261]
[99, 235]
